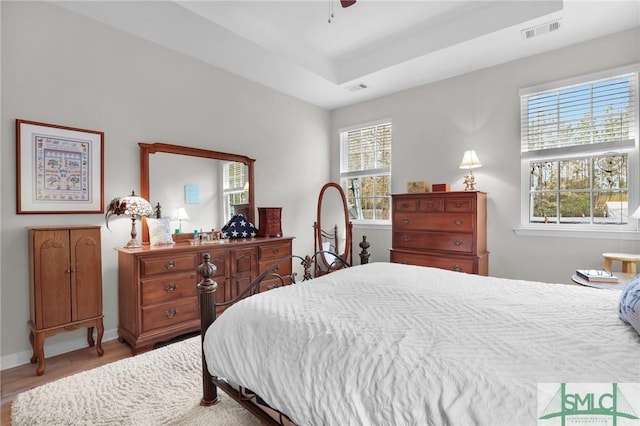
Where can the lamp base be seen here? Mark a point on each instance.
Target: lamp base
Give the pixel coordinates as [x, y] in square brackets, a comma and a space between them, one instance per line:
[133, 243]
[469, 183]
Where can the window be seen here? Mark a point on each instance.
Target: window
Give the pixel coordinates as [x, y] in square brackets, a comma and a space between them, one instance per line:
[235, 188]
[365, 170]
[579, 155]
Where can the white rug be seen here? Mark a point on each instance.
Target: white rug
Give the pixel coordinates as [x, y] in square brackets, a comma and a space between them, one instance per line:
[160, 387]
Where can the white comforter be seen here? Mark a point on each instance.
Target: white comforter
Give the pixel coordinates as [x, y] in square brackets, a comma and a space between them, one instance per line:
[391, 344]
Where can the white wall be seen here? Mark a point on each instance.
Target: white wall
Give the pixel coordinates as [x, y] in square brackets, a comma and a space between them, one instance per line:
[61, 68]
[434, 124]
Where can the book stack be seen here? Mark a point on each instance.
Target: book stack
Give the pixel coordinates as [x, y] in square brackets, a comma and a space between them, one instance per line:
[597, 275]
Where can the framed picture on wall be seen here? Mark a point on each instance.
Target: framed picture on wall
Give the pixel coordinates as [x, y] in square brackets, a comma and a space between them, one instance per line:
[59, 169]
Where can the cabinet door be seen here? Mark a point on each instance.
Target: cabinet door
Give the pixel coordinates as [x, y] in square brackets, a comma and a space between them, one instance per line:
[244, 265]
[86, 276]
[52, 270]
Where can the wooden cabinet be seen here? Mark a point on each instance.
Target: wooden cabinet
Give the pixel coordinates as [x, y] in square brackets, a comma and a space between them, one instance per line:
[157, 294]
[445, 230]
[269, 221]
[65, 285]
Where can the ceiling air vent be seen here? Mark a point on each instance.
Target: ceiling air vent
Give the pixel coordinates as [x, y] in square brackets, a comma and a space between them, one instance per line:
[541, 29]
[356, 87]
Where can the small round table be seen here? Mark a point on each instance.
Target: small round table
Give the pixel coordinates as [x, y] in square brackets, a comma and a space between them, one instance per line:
[621, 284]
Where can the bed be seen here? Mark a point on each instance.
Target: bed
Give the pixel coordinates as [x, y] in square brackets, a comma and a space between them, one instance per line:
[393, 344]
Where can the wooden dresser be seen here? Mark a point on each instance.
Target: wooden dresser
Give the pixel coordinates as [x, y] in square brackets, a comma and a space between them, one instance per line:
[445, 230]
[65, 284]
[157, 294]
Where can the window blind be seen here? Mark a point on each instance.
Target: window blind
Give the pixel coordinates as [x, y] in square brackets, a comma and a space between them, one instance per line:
[366, 149]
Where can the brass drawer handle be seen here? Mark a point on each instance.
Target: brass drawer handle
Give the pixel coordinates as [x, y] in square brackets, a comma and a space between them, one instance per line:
[276, 251]
[458, 204]
[170, 265]
[457, 268]
[170, 288]
[406, 238]
[405, 205]
[271, 286]
[171, 312]
[405, 220]
[430, 205]
[458, 221]
[457, 243]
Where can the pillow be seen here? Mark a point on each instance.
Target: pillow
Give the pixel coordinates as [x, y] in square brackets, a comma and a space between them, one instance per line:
[159, 231]
[630, 303]
[239, 227]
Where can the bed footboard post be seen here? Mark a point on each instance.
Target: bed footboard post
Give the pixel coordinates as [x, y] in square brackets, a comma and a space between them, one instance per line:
[206, 295]
[364, 254]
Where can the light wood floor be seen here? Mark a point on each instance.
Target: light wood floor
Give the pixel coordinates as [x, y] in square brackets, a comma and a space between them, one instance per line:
[21, 378]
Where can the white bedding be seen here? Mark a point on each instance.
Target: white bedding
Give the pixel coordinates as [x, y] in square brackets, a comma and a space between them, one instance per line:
[392, 344]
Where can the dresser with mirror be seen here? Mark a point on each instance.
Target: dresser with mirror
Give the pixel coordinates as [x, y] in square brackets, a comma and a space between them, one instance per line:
[157, 295]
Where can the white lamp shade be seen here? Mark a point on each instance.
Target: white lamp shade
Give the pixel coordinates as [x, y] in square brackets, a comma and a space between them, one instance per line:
[470, 160]
[636, 214]
[180, 214]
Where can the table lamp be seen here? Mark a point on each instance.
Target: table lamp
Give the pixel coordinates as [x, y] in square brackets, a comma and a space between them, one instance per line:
[180, 214]
[470, 161]
[133, 206]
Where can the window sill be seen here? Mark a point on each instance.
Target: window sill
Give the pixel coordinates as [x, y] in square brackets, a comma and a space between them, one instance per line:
[371, 224]
[577, 233]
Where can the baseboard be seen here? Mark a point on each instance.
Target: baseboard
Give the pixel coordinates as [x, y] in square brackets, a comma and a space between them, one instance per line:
[21, 358]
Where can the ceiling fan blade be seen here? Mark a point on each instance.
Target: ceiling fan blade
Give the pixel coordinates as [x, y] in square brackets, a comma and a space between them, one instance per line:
[347, 3]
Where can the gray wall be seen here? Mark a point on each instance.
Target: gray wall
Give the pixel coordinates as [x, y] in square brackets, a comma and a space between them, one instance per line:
[434, 124]
[58, 67]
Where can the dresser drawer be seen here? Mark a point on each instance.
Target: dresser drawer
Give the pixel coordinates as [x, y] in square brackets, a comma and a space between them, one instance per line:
[410, 205]
[169, 314]
[462, 222]
[431, 204]
[273, 251]
[453, 264]
[168, 288]
[176, 263]
[453, 241]
[460, 205]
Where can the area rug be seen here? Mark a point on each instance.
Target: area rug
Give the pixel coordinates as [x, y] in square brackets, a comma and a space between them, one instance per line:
[160, 387]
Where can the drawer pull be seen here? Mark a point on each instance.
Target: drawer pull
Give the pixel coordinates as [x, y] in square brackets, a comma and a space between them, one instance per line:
[271, 286]
[457, 268]
[405, 205]
[430, 205]
[276, 251]
[458, 221]
[457, 243]
[405, 220]
[170, 288]
[170, 265]
[458, 204]
[406, 238]
[171, 312]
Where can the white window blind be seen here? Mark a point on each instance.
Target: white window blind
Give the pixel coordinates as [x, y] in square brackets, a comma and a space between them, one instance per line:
[365, 170]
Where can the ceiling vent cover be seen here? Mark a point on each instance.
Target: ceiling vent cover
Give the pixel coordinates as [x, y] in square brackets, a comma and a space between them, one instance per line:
[356, 87]
[541, 29]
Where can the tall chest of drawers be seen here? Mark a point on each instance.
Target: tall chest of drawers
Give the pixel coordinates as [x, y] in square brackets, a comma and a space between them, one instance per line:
[157, 293]
[445, 230]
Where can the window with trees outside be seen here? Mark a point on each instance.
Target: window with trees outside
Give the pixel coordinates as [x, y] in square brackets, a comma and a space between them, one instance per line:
[365, 170]
[234, 190]
[579, 154]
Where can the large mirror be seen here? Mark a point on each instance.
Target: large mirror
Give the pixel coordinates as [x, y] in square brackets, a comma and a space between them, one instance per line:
[332, 229]
[197, 188]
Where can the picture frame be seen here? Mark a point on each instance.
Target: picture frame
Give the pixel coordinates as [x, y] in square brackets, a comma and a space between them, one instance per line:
[59, 169]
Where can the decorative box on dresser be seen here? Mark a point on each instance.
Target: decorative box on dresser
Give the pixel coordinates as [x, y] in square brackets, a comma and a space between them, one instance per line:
[445, 230]
[157, 294]
[65, 284]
